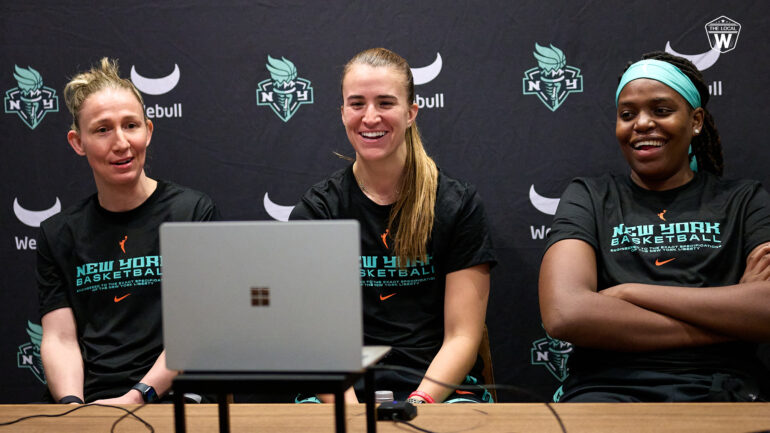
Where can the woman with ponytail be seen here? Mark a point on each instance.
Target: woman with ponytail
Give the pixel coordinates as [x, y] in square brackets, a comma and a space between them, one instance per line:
[660, 278]
[426, 250]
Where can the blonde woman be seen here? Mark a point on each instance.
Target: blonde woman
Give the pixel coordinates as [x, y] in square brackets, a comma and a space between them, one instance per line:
[426, 249]
[99, 264]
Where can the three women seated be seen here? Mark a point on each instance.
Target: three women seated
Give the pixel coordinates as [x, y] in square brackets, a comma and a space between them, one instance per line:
[673, 322]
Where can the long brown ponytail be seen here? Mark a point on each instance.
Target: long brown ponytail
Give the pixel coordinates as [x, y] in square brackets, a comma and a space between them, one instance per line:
[411, 217]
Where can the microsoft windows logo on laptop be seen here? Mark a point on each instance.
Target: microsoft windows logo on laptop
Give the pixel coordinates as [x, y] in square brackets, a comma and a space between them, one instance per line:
[260, 296]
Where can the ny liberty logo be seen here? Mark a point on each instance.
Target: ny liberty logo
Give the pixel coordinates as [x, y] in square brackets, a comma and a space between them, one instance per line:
[28, 355]
[284, 92]
[552, 80]
[553, 355]
[30, 100]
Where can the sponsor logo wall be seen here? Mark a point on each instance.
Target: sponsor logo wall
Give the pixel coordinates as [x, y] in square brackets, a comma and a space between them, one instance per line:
[246, 109]
[284, 92]
[424, 75]
[552, 354]
[723, 34]
[31, 101]
[552, 80]
[158, 86]
[28, 356]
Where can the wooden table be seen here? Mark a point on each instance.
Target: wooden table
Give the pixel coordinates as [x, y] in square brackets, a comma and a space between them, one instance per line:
[224, 383]
[440, 418]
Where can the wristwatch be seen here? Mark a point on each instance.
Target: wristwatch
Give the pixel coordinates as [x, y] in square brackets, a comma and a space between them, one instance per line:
[148, 393]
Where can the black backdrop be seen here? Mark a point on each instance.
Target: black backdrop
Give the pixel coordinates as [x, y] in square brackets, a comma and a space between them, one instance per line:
[481, 120]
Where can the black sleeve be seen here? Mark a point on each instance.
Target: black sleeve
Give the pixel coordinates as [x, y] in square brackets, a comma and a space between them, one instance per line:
[52, 292]
[757, 223]
[470, 243]
[206, 210]
[303, 211]
[575, 217]
[316, 204]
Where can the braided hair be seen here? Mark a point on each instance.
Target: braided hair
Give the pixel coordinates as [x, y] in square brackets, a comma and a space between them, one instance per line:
[706, 146]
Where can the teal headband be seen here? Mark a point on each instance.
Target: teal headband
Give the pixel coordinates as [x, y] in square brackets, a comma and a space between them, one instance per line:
[664, 72]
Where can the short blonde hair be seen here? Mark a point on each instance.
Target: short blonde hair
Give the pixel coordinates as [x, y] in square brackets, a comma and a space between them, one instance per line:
[84, 84]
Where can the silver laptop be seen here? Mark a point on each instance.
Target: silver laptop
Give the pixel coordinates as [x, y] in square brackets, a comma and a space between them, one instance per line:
[263, 296]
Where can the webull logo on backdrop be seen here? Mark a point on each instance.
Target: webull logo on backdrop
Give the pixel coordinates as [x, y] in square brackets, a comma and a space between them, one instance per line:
[32, 218]
[160, 112]
[435, 101]
[158, 86]
[545, 205]
[425, 75]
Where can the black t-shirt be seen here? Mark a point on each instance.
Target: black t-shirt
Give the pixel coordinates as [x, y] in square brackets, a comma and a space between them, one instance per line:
[107, 267]
[696, 235]
[404, 308]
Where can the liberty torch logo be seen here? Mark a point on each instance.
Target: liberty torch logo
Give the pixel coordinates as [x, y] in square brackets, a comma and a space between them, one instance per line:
[31, 100]
[284, 92]
[552, 80]
[553, 355]
[28, 355]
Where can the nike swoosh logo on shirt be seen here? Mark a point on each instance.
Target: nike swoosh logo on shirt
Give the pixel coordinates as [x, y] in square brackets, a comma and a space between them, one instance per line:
[122, 297]
[661, 263]
[382, 298]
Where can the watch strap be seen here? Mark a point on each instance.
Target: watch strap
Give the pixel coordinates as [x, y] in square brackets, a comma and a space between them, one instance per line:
[148, 393]
[67, 399]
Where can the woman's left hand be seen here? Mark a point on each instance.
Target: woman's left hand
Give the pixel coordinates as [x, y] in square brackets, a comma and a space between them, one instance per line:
[131, 397]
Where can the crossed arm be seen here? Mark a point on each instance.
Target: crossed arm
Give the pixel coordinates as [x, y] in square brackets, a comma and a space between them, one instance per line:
[740, 311]
[63, 362]
[639, 317]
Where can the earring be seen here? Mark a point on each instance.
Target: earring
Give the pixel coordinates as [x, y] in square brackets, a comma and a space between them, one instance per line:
[697, 131]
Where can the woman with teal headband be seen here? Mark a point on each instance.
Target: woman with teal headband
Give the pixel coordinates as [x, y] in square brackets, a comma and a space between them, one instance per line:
[660, 278]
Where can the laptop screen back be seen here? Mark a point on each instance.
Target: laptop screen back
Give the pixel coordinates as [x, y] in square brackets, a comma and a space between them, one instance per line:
[262, 296]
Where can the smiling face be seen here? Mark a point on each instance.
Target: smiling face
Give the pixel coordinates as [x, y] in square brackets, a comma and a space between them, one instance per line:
[654, 127]
[114, 136]
[376, 112]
